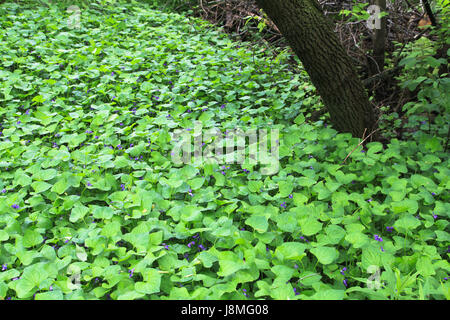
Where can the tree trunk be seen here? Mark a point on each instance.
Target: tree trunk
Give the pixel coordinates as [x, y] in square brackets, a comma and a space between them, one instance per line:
[311, 36]
[376, 63]
[379, 42]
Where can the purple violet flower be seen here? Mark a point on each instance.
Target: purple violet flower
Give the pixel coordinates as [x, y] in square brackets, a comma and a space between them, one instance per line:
[303, 238]
[378, 238]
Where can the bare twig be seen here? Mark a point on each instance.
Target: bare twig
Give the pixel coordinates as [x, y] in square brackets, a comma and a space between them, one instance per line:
[360, 143]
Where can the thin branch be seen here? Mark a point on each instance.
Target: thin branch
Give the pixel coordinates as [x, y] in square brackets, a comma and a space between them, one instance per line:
[364, 139]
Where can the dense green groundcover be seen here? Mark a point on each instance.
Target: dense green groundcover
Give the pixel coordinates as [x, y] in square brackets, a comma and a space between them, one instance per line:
[93, 207]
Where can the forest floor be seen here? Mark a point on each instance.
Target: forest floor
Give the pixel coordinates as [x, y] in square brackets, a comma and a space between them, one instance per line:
[97, 203]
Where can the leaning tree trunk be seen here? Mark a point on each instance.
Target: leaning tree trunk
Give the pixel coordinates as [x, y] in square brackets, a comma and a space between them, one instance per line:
[310, 34]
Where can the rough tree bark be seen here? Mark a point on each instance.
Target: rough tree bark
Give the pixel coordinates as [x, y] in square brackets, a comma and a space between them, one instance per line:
[310, 34]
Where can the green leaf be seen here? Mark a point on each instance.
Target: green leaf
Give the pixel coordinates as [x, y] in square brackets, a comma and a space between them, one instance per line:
[329, 294]
[406, 223]
[287, 222]
[259, 223]
[285, 188]
[47, 174]
[60, 186]
[40, 186]
[31, 278]
[24, 288]
[291, 251]
[179, 294]
[357, 239]
[229, 263]
[130, 295]
[322, 191]
[299, 199]
[151, 283]
[32, 238]
[418, 180]
[285, 292]
[26, 257]
[102, 212]
[78, 212]
[344, 178]
[196, 183]
[23, 180]
[334, 233]
[155, 237]
[300, 119]
[51, 295]
[433, 144]
[305, 182]
[255, 186]
[111, 229]
[207, 258]
[425, 267]
[310, 226]
[190, 213]
[408, 205]
[325, 255]
[371, 256]
[4, 235]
